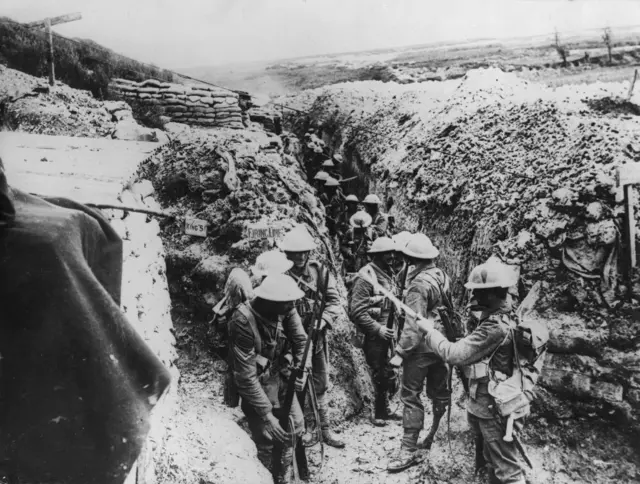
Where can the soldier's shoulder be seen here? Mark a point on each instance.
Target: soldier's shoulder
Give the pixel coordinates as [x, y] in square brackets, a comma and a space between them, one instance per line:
[499, 323]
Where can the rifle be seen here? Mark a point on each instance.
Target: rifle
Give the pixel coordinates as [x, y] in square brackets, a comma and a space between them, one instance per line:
[390, 323]
[297, 372]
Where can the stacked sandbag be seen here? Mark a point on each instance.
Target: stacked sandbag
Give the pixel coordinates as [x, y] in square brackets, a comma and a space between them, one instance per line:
[194, 105]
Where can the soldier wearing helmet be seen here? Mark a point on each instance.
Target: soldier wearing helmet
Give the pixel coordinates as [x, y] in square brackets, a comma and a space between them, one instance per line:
[319, 180]
[369, 310]
[329, 166]
[351, 204]
[427, 288]
[270, 262]
[487, 354]
[333, 202]
[265, 334]
[356, 242]
[380, 224]
[297, 244]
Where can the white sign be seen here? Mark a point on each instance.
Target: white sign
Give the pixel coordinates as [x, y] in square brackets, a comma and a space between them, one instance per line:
[629, 174]
[195, 226]
[264, 232]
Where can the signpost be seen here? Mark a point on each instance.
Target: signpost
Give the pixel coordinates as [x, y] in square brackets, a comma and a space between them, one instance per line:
[629, 175]
[195, 226]
[48, 23]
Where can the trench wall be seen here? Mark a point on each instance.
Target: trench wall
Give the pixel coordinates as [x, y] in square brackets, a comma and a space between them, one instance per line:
[492, 165]
[205, 106]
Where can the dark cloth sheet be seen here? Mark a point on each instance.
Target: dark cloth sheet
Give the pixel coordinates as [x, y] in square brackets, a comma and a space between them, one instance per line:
[77, 382]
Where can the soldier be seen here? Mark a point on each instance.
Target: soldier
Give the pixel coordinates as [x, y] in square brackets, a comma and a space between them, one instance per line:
[356, 242]
[270, 262]
[425, 287]
[350, 208]
[319, 180]
[264, 334]
[329, 166]
[309, 274]
[333, 203]
[380, 224]
[369, 310]
[487, 353]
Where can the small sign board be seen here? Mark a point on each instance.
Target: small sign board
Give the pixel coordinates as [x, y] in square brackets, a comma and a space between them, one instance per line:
[264, 232]
[195, 226]
[629, 174]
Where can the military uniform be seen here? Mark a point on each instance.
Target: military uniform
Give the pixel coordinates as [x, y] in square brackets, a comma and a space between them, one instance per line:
[261, 354]
[380, 225]
[492, 336]
[308, 281]
[355, 245]
[425, 284]
[369, 311]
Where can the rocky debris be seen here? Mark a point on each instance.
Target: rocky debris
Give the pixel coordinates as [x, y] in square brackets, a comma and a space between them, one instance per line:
[198, 105]
[267, 190]
[492, 164]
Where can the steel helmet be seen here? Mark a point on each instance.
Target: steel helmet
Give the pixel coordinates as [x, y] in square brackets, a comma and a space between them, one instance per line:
[491, 274]
[328, 163]
[373, 199]
[360, 219]
[321, 175]
[298, 239]
[331, 182]
[279, 288]
[382, 244]
[420, 247]
[338, 157]
[401, 239]
[352, 198]
[271, 262]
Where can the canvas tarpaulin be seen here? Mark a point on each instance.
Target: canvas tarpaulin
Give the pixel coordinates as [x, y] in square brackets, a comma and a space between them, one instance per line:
[77, 381]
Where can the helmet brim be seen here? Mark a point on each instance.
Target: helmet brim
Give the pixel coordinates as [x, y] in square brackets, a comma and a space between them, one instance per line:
[298, 294]
[432, 254]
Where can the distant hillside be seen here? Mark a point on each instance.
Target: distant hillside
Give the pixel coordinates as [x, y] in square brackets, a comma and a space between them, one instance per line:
[77, 64]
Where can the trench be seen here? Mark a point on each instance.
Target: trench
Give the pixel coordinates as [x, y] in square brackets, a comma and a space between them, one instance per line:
[570, 425]
[570, 437]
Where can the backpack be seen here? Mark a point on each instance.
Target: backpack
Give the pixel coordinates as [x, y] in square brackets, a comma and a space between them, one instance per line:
[513, 395]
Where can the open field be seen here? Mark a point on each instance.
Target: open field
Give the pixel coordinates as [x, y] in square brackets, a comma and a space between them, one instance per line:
[534, 57]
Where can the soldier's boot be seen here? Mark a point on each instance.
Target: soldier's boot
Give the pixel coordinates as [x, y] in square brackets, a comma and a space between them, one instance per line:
[265, 451]
[408, 454]
[327, 435]
[383, 410]
[439, 409]
[379, 409]
[285, 476]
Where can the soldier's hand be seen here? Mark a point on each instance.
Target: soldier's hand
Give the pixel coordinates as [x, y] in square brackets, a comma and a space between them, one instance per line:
[273, 430]
[301, 381]
[386, 333]
[396, 361]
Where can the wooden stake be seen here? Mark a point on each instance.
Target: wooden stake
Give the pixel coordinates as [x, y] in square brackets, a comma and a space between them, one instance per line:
[633, 83]
[52, 75]
[630, 230]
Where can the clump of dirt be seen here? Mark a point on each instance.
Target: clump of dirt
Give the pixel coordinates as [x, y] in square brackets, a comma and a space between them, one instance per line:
[607, 105]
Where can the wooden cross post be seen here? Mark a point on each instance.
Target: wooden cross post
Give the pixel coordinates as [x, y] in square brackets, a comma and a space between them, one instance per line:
[629, 175]
[47, 24]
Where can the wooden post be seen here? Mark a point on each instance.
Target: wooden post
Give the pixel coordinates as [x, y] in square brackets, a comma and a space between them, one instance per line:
[630, 232]
[52, 75]
[633, 83]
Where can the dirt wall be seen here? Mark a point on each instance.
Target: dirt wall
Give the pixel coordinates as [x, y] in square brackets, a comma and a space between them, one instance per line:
[490, 164]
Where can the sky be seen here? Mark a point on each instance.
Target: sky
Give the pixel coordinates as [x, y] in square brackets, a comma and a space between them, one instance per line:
[190, 33]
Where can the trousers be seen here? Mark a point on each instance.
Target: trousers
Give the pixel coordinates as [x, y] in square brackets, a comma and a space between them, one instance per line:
[501, 456]
[416, 369]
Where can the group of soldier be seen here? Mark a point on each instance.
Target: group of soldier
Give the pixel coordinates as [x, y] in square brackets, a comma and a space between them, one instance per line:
[395, 287]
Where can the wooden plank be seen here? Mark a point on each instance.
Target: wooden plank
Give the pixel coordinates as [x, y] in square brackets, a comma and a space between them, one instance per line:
[61, 19]
[629, 174]
[630, 225]
[52, 75]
